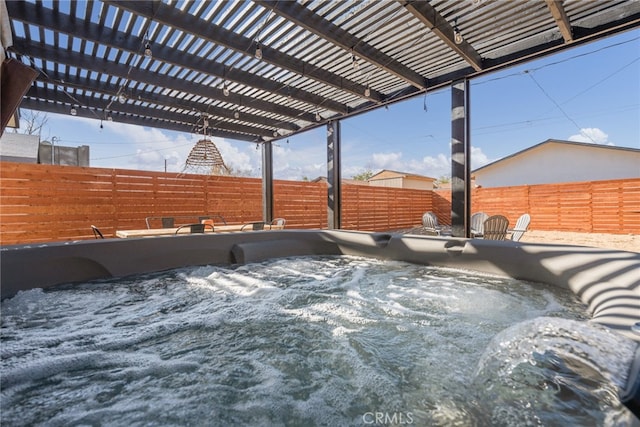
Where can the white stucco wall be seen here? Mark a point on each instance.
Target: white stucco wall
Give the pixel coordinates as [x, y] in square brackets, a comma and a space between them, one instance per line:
[557, 162]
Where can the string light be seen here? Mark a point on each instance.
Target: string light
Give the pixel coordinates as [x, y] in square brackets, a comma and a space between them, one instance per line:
[122, 98]
[354, 62]
[225, 89]
[367, 91]
[109, 118]
[73, 111]
[318, 117]
[236, 114]
[258, 51]
[457, 36]
[147, 50]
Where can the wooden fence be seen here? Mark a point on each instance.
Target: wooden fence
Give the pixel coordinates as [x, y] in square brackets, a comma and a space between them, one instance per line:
[592, 207]
[42, 203]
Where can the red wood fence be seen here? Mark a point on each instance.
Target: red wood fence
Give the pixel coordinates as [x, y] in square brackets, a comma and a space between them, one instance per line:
[593, 207]
[41, 203]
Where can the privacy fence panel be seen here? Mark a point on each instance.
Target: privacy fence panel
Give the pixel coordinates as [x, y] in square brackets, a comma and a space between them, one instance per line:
[41, 203]
[611, 206]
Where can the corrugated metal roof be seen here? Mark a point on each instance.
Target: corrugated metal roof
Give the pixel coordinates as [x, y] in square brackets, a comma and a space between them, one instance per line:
[320, 60]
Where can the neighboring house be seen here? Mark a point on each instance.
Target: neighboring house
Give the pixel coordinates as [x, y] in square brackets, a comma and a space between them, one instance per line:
[22, 148]
[389, 178]
[344, 181]
[555, 161]
[17, 147]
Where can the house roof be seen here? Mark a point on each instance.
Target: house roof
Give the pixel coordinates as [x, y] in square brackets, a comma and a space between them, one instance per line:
[262, 70]
[559, 142]
[395, 174]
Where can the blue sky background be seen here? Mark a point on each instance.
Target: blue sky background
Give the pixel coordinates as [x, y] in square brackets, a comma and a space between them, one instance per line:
[589, 93]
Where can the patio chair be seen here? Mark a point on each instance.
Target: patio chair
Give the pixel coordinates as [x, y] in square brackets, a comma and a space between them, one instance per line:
[521, 227]
[96, 232]
[168, 222]
[216, 217]
[194, 228]
[278, 223]
[253, 226]
[495, 228]
[430, 223]
[477, 223]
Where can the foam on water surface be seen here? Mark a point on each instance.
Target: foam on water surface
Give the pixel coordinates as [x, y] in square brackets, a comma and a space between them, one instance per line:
[307, 341]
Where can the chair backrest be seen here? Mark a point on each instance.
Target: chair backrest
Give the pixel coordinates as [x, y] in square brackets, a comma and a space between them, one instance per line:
[195, 228]
[253, 226]
[433, 219]
[278, 222]
[428, 221]
[96, 232]
[521, 227]
[168, 222]
[216, 217]
[495, 228]
[207, 222]
[477, 222]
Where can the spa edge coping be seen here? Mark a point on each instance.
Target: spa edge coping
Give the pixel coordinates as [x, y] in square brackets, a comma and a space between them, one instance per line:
[607, 281]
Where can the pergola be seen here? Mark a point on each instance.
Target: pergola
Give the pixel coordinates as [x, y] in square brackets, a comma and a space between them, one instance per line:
[263, 70]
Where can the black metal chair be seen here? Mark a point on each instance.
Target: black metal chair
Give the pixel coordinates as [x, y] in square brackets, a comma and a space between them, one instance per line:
[195, 228]
[96, 232]
[253, 226]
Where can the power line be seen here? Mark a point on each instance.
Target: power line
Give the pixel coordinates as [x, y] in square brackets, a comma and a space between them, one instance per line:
[559, 107]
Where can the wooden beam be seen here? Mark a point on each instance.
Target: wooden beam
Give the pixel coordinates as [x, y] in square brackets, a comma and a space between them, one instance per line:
[432, 19]
[562, 21]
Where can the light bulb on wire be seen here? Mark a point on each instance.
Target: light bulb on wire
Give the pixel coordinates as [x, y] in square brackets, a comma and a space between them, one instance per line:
[225, 89]
[147, 50]
[258, 51]
[367, 91]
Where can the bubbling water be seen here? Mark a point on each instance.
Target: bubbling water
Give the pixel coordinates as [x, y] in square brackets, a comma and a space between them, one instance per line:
[307, 341]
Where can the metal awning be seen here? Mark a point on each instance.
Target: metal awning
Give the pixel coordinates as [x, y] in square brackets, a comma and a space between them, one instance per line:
[263, 70]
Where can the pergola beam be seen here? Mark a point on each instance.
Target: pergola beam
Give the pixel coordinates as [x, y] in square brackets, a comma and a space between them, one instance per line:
[51, 107]
[97, 105]
[144, 96]
[91, 63]
[168, 15]
[66, 24]
[432, 19]
[562, 21]
[324, 29]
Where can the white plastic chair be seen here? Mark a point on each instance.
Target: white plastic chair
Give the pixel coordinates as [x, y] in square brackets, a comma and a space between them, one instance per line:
[521, 227]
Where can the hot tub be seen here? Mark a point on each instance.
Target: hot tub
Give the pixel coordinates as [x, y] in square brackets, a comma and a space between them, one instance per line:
[606, 281]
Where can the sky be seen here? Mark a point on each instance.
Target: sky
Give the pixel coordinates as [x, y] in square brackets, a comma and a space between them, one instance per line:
[589, 93]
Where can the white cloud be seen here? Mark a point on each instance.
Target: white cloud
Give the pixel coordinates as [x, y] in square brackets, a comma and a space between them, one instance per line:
[591, 136]
[391, 161]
